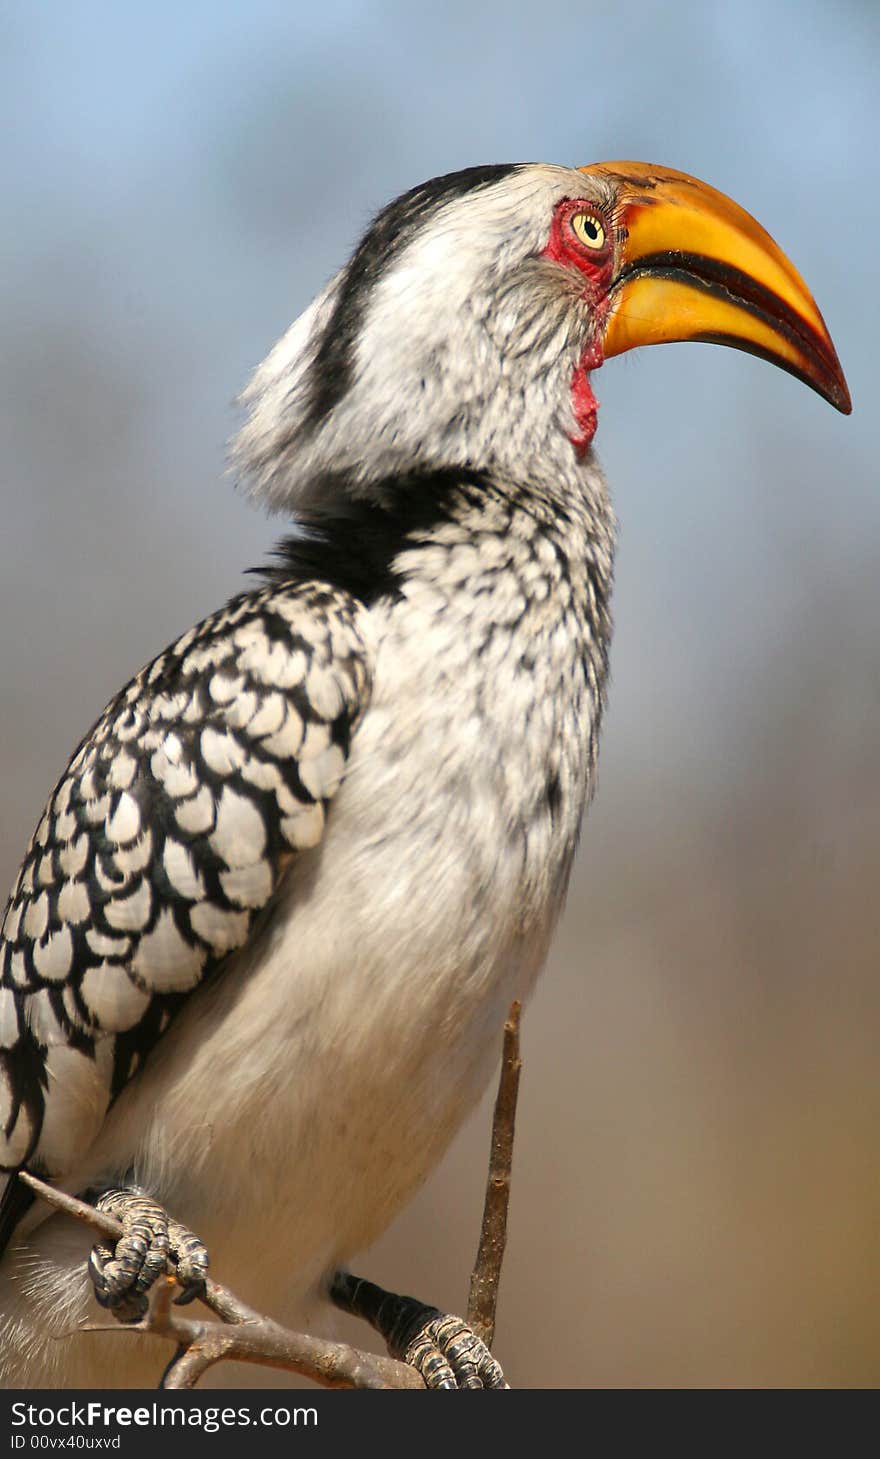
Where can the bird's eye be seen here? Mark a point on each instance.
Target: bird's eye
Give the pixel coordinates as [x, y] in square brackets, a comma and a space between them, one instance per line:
[588, 230]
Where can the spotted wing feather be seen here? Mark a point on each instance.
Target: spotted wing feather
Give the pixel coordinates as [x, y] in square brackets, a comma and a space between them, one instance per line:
[161, 844]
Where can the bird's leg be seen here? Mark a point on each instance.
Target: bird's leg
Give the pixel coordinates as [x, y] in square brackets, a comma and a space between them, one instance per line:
[442, 1348]
[123, 1273]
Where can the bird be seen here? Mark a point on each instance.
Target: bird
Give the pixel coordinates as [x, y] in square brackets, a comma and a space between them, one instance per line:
[256, 963]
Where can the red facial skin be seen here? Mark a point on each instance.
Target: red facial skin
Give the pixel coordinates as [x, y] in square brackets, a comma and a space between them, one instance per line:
[585, 407]
[595, 267]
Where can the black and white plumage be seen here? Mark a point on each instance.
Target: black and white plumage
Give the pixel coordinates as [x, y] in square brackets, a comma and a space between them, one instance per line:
[162, 843]
[263, 941]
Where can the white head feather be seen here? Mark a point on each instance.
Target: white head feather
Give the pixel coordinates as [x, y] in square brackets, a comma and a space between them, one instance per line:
[463, 356]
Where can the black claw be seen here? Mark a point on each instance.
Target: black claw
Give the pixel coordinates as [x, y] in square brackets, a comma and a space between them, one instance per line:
[191, 1292]
[190, 1257]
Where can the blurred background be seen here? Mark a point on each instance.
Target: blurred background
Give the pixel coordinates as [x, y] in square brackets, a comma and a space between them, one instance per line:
[696, 1196]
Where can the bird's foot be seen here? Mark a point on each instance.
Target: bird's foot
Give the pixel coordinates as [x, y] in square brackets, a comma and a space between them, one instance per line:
[447, 1353]
[151, 1244]
[443, 1349]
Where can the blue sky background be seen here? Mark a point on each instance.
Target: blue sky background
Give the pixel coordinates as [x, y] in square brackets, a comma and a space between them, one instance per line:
[178, 181]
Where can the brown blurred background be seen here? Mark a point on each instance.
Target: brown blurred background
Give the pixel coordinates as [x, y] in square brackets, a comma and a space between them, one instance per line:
[696, 1198]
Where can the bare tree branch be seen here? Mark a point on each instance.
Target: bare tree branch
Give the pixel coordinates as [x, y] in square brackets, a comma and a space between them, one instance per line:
[486, 1275]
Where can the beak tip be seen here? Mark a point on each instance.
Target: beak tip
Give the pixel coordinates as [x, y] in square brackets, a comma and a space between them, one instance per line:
[838, 394]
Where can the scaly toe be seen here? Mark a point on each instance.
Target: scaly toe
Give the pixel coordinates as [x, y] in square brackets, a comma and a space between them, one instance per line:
[190, 1256]
[448, 1354]
[122, 1274]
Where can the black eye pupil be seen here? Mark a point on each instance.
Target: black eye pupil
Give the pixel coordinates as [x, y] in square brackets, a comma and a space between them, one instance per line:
[590, 228]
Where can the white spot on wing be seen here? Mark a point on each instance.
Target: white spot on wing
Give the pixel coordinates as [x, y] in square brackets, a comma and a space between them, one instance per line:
[291, 669]
[177, 780]
[172, 747]
[106, 946]
[125, 822]
[68, 999]
[129, 728]
[184, 642]
[8, 1019]
[268, 662]
[239, 836]
[220, 929]
[61, 803]
[304, 829]
[203, 657]
[11, 921]
[97, 810]
[42, 1021]
[73, 902]
[321, 774]
[193, 712]
[196, 815]
[250, 635]
[18, 970]
[286, 743]
[221, 751]
[65, 826]
[112, 998]
[243, 710]
[135, 858]
[74, 857]
[324, 693]
[223, 689]
[122, 771]
[269, 717]
[165, 961]
[262, 774]
[248, 886]
[168, 706]
[181, 871]
[52, 958]
[133, 912]
[317, 738]
[36, 916]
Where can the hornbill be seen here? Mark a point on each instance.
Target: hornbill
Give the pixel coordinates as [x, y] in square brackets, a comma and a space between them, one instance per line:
[257, 960]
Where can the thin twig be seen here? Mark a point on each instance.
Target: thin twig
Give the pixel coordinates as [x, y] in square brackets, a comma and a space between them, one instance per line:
[71, 1206]
[486, 1276]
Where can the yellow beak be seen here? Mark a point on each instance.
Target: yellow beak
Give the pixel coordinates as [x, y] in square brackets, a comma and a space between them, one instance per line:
[692, 265]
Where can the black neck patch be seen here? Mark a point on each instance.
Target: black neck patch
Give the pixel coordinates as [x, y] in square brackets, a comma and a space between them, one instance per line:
[390, 232]
[355, 547]
[16, 1201]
